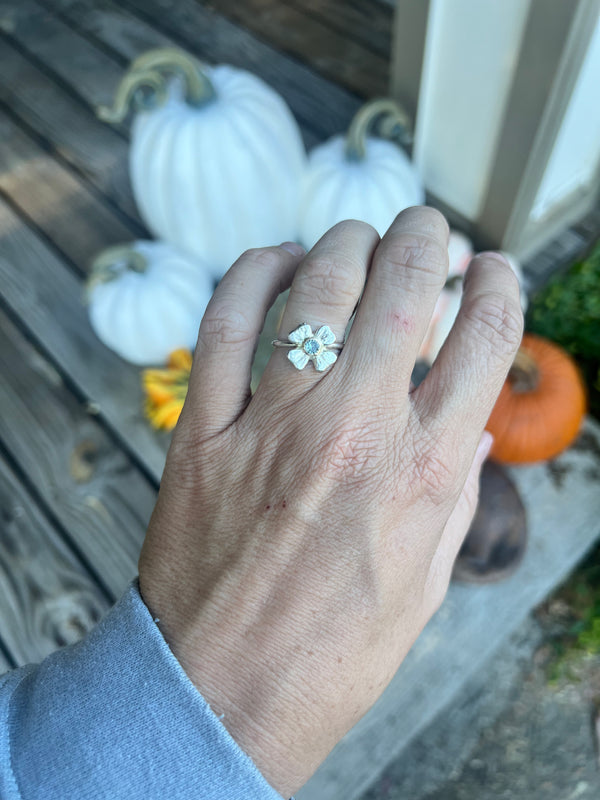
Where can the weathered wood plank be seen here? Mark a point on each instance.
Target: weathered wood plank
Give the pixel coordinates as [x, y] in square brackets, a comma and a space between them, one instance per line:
[74, 218]
[126, 35]
[110, 24]
[89, 72]
[318, 104]
[366, 21]
[100, 499]
[69, 129]
[40, 289]
[334, 55]
[5, 664]
[47, 598]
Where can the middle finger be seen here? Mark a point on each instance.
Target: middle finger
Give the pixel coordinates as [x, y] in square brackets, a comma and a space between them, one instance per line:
[408, 272]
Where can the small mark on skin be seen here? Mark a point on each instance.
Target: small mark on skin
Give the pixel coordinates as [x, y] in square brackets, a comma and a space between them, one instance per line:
[267, 508]
[400, 322]
[284, 504]
[339, 659]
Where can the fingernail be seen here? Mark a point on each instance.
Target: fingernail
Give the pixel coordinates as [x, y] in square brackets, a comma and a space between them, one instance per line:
[492, 255]
[293, 248]
[484, 446]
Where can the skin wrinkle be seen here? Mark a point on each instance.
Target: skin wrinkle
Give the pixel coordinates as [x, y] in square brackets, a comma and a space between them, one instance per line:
[295, 554]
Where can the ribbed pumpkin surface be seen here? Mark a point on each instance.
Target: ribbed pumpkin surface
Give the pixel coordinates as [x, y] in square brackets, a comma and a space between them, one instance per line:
[537, 422]
[222, 178]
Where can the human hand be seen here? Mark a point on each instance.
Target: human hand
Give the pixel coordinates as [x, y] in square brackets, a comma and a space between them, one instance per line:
[303, 537]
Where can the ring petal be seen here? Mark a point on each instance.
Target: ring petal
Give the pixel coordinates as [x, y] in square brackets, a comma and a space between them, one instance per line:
[325, 335]
[301, 333]
[298, 358]
[326, 359]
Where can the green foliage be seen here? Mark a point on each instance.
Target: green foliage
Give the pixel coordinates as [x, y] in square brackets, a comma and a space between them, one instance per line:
[579, 633]
[567, 311]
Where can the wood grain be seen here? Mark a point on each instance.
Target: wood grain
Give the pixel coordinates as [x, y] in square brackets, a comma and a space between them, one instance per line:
[68, 128]
[40, 289]
[76, 219]
[88, 484]
[319, 105]
[89, 72]
[366, 21]
[333, 54]
[47, 598]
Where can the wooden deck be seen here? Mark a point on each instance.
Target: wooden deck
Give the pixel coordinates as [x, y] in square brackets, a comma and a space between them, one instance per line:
[79, 466]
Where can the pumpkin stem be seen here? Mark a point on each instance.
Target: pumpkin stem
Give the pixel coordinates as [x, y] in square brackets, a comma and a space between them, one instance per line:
[150, 71]
[524, 374]
[143, 89]
[394, 124]
[111, 263]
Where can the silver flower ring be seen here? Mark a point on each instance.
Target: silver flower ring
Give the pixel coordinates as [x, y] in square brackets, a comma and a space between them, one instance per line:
[308, 346]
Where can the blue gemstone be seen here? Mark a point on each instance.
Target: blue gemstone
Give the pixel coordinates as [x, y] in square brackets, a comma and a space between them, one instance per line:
[312, 347]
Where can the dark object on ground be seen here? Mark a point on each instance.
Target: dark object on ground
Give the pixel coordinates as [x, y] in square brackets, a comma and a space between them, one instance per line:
[497, 538]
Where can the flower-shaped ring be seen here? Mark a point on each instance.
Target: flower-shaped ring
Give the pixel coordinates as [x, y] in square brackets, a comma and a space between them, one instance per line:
[308, 346]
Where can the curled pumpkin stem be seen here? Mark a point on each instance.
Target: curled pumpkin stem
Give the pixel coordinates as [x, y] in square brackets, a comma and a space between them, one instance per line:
[394, 123]
[144, 85]
[111, 263]
[143, 89]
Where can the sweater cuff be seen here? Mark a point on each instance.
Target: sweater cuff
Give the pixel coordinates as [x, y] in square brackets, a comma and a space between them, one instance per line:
[116, 716]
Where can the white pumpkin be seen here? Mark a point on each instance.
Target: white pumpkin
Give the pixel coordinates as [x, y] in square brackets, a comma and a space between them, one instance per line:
[359, 177]
[147, 299]
[216, 157]
[460, 251]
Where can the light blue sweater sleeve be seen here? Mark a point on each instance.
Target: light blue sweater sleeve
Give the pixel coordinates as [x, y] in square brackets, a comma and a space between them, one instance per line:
[116, 718]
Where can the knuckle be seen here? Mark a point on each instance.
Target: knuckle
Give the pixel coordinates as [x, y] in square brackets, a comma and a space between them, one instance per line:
[497, 321]
[417, 252]
[352, 453]
[432, 474]
[335, 280]
[184, 459]
[350, 227]
[224, 325]
[262, 257]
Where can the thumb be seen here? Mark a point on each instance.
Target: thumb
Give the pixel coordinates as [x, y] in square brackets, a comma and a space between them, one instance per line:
[460, 519]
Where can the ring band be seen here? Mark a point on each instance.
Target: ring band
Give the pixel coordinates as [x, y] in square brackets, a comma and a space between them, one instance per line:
[307, 346]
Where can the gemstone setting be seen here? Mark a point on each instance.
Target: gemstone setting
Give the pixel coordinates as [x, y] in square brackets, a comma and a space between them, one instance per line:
[309, 346]
[312, 347]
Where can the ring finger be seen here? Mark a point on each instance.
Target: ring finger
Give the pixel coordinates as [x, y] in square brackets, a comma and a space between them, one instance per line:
[325, 290]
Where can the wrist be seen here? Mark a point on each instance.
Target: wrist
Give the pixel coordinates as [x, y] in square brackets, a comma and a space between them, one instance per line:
[251, 685]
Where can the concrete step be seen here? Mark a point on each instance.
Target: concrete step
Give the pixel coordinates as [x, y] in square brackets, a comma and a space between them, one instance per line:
[562, 499]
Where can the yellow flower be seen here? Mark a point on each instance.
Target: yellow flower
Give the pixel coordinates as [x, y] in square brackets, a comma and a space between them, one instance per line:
[180, 359]
[166, 390]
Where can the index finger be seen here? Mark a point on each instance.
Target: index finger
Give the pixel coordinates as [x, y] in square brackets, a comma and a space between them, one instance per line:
[458, 395]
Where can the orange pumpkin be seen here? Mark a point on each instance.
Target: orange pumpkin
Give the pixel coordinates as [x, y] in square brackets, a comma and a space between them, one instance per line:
[541, 406]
